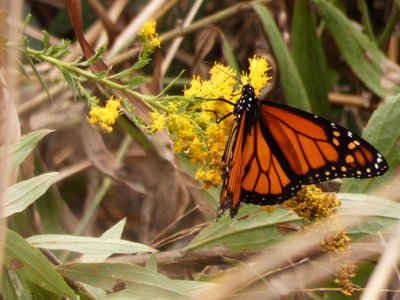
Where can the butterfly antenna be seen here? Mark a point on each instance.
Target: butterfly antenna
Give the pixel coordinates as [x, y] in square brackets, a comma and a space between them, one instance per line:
[216, 99]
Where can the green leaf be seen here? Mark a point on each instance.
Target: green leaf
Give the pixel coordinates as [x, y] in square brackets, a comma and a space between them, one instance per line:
[360, 53]
[59, 50]
[19, 150]
[24, 193]
[152, 263]
[32, 266]
[97, 56]
[295, 93]
[366, 20]
[135, 82]
[139, 64]
[306, 47]
[254, 229]
[171, 84]
[229, 54]
[138, 281]
[39, 77]
[114, 232]
[389, 26]
[13, 287]
[87, 245]
[379, 213]
[71, 82]
[382, 132]
[46, 40]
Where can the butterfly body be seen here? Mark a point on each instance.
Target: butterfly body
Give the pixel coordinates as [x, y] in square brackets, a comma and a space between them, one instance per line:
[274, 149]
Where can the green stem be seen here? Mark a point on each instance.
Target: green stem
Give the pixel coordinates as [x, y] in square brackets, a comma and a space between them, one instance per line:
[71, 68]
[390, 24]
[89, 75]
[362, 6]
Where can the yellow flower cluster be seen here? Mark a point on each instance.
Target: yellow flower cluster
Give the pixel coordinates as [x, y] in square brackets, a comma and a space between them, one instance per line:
[337, 242]
[149, 34]
[157, 121]
[345, 274]
[224, 83]
[257, 77]
[106, 116]
[313, 205]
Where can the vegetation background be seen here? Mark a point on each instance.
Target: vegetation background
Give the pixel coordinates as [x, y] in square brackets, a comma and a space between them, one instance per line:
[95, 215]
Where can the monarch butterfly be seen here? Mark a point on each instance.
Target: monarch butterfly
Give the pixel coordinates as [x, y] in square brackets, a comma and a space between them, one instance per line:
[273, 149]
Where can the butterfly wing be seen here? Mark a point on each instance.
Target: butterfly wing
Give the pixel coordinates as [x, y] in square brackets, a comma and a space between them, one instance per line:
[251, 167]
[311, 149]
[268, 159]
[232, 159]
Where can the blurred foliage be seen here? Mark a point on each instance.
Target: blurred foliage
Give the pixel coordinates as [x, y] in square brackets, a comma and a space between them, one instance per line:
[123, 218]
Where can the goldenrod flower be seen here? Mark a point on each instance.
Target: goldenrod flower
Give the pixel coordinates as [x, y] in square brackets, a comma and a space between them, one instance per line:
[106, 116]
[336, 243]
[345, 274]
[157, 121]
[148, 30]
[155, 42]
[312, 204]
[149, 35]
[224, 83]
[210, 177]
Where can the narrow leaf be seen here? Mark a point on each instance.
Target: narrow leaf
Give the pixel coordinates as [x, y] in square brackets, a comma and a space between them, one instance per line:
[295, 93]
[152, 263]
[254, 229]
[229, 54]
[379, 213]
[39, 77]
[87, 245]
[114, 232]
[19, 150]
[306, 47]
[241, 233]
[46, 40]
[137, 280]
[361, 54]
[13, 287]
[140, 64]
[24, 193]
[32, 266]
[135, 82]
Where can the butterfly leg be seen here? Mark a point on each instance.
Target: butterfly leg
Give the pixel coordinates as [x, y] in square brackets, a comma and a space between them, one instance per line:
[216, 116]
